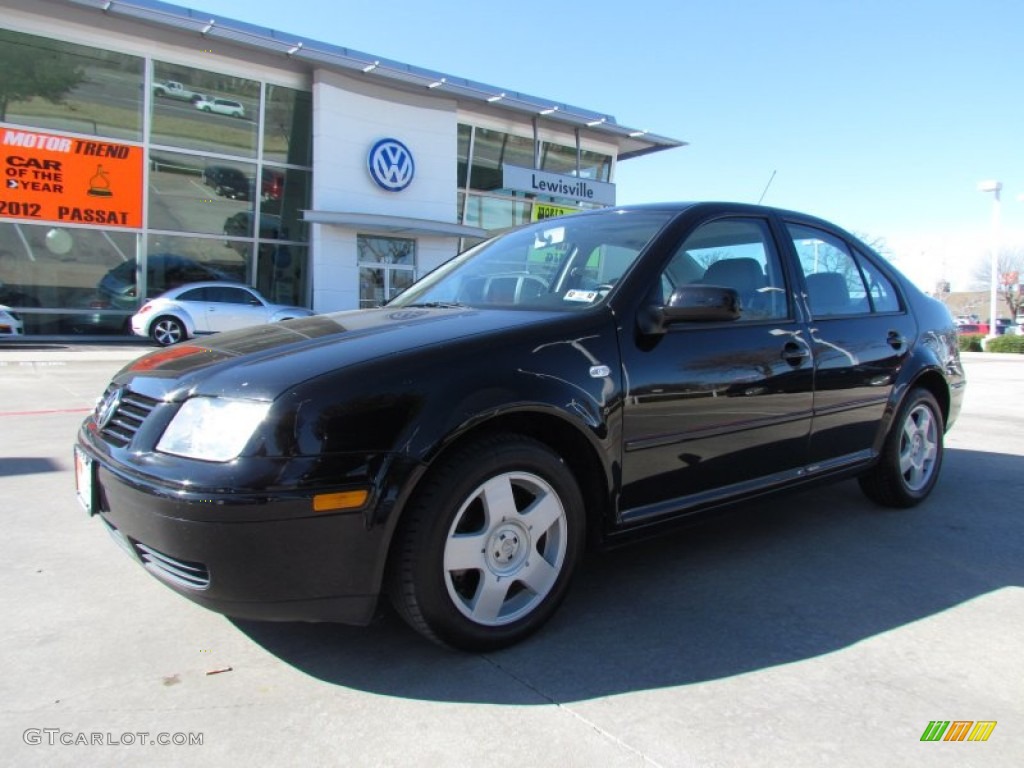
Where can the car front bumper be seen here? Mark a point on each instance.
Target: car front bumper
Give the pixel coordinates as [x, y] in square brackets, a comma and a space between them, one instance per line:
[261, 558]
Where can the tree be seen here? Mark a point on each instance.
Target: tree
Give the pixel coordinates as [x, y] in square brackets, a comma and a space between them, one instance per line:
[877, 244]
[1010, 269]
[31, 72]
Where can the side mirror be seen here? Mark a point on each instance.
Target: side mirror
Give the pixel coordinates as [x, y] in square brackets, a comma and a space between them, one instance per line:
[692, 303]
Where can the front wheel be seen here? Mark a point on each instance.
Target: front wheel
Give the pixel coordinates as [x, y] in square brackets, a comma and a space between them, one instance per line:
[487, 550]
[167, 330]
[909, 465]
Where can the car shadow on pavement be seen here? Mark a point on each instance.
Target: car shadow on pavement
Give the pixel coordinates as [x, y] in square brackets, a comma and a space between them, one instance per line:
[10, 466]
[778, 581]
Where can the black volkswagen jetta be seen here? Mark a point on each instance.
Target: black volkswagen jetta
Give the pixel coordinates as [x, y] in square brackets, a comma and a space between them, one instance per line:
[564, 385]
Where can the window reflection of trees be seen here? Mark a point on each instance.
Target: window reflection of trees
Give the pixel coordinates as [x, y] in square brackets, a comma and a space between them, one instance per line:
[287, 127]
[62, 86]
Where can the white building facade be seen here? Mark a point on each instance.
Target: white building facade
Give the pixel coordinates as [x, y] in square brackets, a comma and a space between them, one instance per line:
[145, 145]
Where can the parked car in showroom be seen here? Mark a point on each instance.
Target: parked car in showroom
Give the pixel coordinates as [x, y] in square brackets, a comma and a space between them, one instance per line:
[200, 308]
[10, 323]
[574, 383]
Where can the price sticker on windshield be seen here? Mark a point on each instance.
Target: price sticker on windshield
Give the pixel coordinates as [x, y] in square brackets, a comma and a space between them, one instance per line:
[577, 295]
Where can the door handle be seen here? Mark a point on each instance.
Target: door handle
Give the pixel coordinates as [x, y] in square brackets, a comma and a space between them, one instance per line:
[896, 340]
[795, 354]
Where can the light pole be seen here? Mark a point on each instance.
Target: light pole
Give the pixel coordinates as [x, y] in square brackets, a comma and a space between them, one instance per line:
[994, 187]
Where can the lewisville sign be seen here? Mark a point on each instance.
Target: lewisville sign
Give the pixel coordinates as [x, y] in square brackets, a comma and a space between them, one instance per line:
[557, 185]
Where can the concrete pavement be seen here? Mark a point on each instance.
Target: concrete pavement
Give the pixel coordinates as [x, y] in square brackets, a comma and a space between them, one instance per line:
[810, 630]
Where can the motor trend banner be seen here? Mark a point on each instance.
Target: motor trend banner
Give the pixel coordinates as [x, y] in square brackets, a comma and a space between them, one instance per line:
[68, 180]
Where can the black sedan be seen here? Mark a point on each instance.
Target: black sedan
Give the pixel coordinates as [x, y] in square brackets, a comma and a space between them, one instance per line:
[570, 384]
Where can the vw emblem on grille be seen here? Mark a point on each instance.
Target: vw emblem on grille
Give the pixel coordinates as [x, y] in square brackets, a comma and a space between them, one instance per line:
[391, 165]
[107, 407]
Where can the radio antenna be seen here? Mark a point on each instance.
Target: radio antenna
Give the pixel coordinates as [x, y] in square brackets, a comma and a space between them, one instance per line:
[765, 192]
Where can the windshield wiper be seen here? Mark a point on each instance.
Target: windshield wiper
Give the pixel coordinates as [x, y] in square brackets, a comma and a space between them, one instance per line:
[437, 305]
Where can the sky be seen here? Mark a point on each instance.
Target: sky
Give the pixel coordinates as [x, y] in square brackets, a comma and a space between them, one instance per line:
[880, 115]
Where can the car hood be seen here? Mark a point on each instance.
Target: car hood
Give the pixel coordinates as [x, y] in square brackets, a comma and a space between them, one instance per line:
[263, 361]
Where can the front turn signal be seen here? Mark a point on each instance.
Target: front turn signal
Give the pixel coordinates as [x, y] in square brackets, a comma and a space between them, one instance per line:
[333, 502]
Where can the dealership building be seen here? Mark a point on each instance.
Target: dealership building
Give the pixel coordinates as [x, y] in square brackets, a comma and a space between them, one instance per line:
[145, 145]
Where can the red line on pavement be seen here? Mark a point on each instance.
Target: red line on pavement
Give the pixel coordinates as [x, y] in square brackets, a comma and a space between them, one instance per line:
[44, 413]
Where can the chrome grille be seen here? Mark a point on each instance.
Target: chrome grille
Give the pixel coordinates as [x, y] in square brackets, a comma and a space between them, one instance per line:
[131, 411]
[180, 572]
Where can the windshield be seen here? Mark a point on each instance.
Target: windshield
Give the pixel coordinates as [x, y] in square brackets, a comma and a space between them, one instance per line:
[567, 263]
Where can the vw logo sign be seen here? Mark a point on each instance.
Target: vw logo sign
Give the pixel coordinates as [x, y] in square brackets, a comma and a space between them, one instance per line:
[391, 165]
[107, 408]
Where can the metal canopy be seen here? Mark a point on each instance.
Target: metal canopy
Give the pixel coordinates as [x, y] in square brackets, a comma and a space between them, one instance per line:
[398, 225]
[631, 142]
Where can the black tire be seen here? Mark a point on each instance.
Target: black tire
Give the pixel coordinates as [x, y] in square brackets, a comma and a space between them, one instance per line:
[911, 459]
[518, 558]
[167, 330]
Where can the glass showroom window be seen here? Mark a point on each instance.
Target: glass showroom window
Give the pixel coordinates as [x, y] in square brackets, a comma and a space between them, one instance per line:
[462, 153]
[172, 261]
[193, 193]
[497, 213]
[387, 266]
[55, 85]
[284, 194]
[288, 126]
[281, 273]
[491, 150]
[197, 109]
[557, 158]
[69, 271]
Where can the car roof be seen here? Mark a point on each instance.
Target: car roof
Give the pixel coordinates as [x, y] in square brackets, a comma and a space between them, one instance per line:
[724, 208]
[207, 284]
[711, 205]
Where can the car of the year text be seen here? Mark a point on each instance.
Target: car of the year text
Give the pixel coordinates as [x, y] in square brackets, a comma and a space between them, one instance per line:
[568, 385]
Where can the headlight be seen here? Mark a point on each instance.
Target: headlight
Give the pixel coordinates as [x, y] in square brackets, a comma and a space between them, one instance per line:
[212, 428]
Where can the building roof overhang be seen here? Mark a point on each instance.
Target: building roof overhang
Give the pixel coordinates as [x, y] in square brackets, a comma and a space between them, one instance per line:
[631, 141]
[395, 225]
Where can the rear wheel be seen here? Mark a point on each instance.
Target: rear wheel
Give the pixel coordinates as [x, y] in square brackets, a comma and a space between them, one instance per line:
[912, 456]
[167, 330]
[487, 550]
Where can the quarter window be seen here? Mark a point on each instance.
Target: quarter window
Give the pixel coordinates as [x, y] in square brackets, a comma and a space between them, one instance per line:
[880, 289]
[196, 294]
